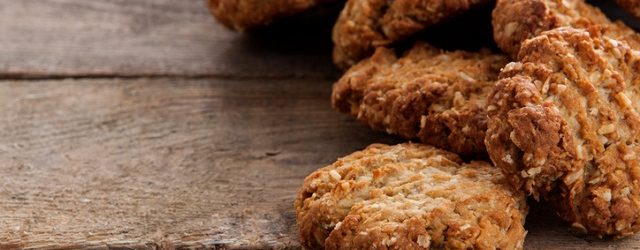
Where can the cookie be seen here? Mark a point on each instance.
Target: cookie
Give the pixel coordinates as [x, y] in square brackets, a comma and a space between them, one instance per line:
[364, 25]
[243, 15]
[514, 21]
[409, 196]
[564, 125]
[435, 96]
[631, 6]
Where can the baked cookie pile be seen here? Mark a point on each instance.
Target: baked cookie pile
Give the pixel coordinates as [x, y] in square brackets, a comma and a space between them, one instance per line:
[557, 112]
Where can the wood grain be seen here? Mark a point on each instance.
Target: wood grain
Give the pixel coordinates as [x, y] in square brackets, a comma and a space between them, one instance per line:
[122, 38]
[71, 38]
[171, 163]
[174, 132]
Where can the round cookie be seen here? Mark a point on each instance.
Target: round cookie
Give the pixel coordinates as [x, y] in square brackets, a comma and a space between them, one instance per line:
[514, 21]
[564, 125]
[409, 196]
[364, 25]
[436, 96]
[243, 15]
[631, 6]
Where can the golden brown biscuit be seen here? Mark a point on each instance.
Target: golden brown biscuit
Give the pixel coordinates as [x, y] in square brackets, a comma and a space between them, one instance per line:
[409, 196]
[242, 15]
[631, 6]
[435, 96]
[517, 20]
[364, 25]
[564, 125]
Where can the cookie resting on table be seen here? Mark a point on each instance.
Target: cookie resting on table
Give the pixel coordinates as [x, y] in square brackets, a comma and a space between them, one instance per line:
[409, 196]
[364, 25]
[243, 15]
[564, 125]
[514, 21]
[428, 94]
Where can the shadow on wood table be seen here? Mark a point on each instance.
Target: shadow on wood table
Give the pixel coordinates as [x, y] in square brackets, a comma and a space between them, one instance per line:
[145, 124]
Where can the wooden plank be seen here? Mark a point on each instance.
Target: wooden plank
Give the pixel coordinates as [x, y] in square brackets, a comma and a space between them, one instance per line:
[172, 163]
[168, 162]
[61, 38]
[71, 38]
[145, 163]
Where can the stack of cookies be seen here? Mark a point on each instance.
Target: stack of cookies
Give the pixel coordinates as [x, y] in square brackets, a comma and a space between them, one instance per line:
[557, 112]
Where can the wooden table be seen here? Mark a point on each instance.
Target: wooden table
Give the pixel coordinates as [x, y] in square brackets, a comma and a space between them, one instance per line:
[145, 124]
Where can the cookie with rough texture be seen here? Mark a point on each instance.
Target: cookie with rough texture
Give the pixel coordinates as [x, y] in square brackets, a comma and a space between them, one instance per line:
[242, 15]
[564, 124]
[631, 6]
[427, 94]
[514, 21]
[409, 196]
[364, 25]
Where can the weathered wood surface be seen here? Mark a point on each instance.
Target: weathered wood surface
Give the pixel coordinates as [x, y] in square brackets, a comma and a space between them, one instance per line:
[172, 131]
[150, 38]
[165, 162]
[177, 163]
[75, 38]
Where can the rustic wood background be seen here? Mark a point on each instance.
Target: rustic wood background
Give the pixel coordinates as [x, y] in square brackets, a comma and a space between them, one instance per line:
[145, 124]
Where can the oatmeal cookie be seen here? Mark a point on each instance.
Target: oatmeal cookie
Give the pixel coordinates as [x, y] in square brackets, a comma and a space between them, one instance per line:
[435, 96]
[564, 124]
[631, 6]
[242, 15]
[517, 20]
[364, 25]
[409, 196]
